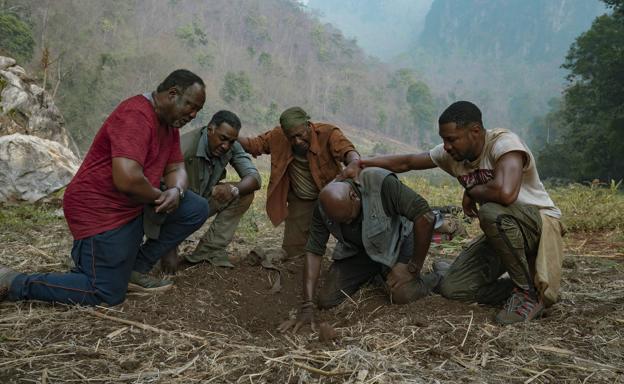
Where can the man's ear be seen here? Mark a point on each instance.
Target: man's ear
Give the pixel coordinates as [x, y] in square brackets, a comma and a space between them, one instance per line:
[173, 92]
[474, 128]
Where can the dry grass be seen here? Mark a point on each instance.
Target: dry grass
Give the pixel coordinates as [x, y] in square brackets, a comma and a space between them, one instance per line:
[580, 340]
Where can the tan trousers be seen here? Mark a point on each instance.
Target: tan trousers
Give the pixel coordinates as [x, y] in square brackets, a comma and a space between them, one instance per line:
[213, 244]
[297, 225]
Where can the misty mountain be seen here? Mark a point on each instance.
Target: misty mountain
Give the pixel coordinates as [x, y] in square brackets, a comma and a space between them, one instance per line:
[505, 55]
[384, 28]
[534, 31]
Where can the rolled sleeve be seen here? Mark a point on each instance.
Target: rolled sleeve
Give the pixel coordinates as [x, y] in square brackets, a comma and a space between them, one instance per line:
[259, 145]
[340, 145]
[319, 234]
[242, 163]
[398, 199]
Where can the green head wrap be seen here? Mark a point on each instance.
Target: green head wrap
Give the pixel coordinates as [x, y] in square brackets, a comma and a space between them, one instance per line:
[293, 117]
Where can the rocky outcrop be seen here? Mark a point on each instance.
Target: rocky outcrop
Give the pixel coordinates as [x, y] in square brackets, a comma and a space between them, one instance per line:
[37, 156]
[32, 168]
[27, 109]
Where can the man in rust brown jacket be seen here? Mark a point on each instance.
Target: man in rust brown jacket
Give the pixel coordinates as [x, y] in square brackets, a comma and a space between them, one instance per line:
[305, 156]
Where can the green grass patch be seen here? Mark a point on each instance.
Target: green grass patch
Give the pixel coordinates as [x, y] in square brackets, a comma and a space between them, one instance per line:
[584, 208]
[22, 217]
[590, 208]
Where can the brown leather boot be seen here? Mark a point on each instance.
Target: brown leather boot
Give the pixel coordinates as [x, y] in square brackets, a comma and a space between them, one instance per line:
[169, 262]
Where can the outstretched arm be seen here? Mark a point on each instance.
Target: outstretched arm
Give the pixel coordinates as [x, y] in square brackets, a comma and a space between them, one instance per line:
[401, 163]
[311, 272]
[394, 163]
[259, 145]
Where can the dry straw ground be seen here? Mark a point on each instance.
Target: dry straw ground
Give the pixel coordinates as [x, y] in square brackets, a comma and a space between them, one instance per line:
[218, 326]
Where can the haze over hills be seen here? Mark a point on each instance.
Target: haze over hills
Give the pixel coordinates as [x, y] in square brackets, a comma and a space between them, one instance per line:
[259, 57]
[505, 55]
[383, 28]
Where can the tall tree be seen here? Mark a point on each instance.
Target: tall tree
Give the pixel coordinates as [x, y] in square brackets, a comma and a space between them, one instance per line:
[593, 108]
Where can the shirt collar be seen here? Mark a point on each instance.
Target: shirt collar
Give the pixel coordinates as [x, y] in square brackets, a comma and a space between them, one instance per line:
[314, 143]
[202, 145]
[203, 150]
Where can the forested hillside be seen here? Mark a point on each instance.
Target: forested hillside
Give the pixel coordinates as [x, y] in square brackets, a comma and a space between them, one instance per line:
[506, 55]
[257, 57]
[582, 133]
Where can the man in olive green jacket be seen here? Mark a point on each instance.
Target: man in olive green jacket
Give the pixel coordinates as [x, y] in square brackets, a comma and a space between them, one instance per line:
[207, 151]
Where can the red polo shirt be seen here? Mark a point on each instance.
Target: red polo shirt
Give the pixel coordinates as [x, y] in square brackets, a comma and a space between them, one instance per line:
[91, 203]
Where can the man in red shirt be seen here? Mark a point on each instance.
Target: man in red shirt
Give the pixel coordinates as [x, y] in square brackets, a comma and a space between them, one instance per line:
[117, 185]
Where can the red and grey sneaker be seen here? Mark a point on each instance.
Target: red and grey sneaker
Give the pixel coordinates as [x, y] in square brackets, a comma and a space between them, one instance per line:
[520, 307]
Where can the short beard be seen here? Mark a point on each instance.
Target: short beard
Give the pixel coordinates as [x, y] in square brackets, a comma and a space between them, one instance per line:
[299, 151]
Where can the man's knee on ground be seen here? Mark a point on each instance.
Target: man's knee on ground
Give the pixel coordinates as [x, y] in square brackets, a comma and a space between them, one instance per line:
[453, 290]
[112, 296]
[411, 291]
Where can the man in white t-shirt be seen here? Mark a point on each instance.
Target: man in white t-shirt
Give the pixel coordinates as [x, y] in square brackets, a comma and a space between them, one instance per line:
[520, 223]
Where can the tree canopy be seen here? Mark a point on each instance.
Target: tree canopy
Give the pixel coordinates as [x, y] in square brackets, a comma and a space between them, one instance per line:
[15, 37]
[591, 116]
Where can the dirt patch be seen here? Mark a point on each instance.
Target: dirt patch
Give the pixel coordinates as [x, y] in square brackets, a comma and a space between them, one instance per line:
[218, 325]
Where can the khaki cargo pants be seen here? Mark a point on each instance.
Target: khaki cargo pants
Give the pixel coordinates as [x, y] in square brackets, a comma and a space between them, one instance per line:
[297, 225]
[212, 246]
[509, 243]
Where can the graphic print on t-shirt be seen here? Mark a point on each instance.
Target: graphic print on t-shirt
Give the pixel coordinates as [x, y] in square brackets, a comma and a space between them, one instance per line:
[480, 176]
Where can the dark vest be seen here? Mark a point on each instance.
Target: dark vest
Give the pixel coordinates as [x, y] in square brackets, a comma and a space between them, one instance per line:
[382, 235]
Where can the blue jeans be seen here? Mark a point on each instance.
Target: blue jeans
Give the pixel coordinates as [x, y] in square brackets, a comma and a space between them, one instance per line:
[104, 262]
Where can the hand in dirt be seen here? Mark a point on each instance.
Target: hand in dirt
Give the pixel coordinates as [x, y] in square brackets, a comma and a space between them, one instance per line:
[169, 262]
[351, 171]
[469, 205]
[399, 275]
[168, 201]
[222, 193]
[305, 316]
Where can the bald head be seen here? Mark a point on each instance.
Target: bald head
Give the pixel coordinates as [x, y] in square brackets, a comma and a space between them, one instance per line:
[340, 202]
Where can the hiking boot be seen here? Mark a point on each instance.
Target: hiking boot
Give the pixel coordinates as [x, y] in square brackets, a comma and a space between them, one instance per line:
[146, 283]
[6, 278]
[520, 307]
[223, 262]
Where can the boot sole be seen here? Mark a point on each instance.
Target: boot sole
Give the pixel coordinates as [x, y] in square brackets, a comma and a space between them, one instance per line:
[137, 288]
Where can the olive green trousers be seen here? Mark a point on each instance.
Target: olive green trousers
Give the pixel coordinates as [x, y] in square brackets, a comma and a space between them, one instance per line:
[509, 243]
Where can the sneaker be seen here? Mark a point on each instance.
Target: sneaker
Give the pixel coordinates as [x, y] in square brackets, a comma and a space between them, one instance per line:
[6, 278]
[520, 307]
[147, 283]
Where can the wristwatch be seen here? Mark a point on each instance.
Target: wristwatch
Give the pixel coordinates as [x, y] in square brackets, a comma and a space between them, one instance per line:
[180, 192]
[234, 191]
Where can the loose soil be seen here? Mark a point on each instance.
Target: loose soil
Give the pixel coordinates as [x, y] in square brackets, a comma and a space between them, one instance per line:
[219, 325]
